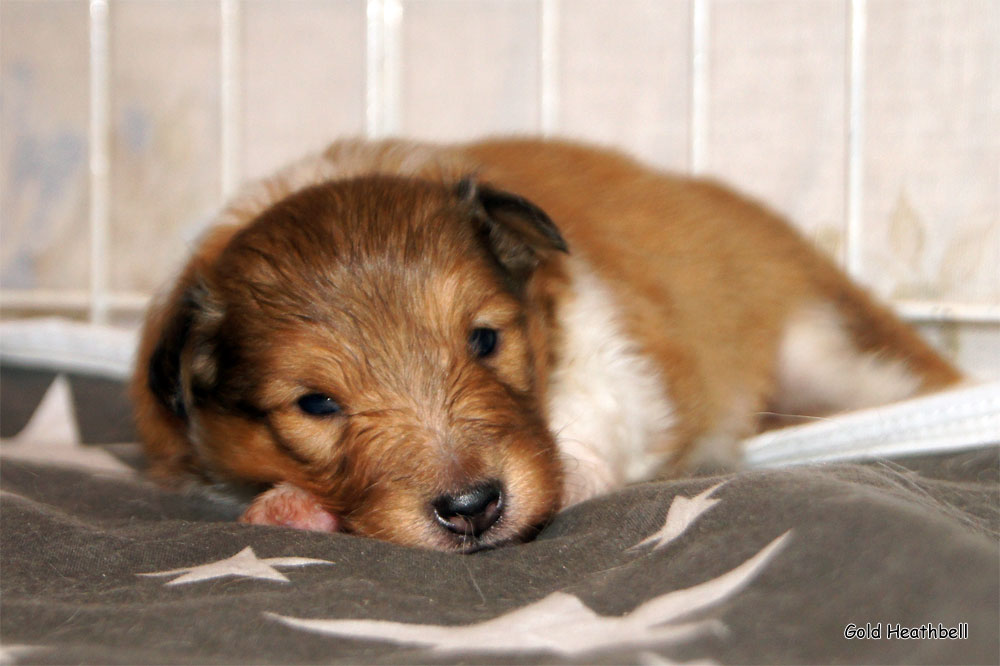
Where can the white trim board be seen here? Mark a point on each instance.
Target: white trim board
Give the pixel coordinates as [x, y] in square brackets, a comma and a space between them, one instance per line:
[68, 346]
[961, 418]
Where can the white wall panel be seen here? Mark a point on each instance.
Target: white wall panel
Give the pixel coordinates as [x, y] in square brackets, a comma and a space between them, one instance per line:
[932, 158]
[631, 87]
[165, 163]
[43, 145]
[469, 68]
[297, 94]
[777, 107]
[204, 92]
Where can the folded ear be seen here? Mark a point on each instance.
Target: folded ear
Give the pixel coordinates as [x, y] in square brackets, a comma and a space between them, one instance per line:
[177, 338]
[518, 232]
[179, 322]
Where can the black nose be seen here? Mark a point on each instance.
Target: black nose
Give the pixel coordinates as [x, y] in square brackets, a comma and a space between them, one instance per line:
[472, 511]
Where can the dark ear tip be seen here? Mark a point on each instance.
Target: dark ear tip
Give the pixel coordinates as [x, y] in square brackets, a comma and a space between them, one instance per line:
[164, 364]
[499, 202]
[552, 235]
[163, 381]
[466, 188]
[560, 244]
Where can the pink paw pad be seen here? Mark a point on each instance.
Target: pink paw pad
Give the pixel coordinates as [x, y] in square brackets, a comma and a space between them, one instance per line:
[290, 506]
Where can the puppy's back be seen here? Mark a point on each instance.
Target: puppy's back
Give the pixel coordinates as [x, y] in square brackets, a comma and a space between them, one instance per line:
[735, 312]
[741, 315]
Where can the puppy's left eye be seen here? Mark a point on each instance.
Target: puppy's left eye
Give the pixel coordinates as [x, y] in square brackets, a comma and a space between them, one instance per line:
[317, 404]
[483, 341]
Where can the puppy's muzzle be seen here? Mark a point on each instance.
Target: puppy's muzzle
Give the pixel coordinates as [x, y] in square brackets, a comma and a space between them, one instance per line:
[473, 511]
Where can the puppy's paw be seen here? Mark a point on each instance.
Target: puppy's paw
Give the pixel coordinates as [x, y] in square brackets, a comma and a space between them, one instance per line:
[290, 506]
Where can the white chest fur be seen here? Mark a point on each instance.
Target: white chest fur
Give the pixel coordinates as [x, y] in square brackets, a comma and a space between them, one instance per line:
[608, 407]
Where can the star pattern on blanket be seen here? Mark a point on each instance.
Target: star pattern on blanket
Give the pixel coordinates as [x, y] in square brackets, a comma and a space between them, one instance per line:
[681, 515]
[51, 436]
[561, 623]
[653, 659]
[244, 564]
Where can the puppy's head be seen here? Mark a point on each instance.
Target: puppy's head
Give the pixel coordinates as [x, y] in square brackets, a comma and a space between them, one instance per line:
[380, 342]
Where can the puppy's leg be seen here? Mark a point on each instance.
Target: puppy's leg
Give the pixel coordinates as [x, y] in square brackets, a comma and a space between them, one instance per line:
[290, 506]
[851, 355]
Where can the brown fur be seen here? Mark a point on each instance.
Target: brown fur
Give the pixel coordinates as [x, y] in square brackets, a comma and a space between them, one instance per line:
[363, 290]
[360, 275]
[706, 278]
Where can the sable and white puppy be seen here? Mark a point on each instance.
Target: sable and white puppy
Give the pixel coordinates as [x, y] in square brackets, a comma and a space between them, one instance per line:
[443, 346]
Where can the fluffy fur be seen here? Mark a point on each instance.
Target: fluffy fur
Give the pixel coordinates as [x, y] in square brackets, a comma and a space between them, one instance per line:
[641, 323]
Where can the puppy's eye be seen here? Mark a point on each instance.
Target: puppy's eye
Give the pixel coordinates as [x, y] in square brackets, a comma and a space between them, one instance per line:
[483, 341]
[317, 404]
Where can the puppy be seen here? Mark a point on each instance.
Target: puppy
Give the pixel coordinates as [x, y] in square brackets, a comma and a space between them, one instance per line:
[443, 346]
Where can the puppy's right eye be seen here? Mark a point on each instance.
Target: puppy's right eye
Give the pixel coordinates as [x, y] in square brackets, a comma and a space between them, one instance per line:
[317, 404]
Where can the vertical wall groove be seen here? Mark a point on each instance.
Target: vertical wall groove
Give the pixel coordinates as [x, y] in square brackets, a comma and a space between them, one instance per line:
[698, 121]
[382, 67]
[230, 94]
[857, 18]
[99, 160]
[549, 65]
[374, 54]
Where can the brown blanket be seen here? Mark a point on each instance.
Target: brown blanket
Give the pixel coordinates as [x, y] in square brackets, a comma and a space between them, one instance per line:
[888, 562]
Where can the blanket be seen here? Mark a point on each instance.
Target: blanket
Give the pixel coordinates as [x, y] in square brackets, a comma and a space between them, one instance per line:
[894, 560]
